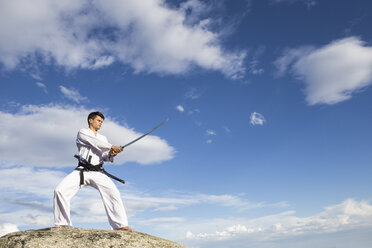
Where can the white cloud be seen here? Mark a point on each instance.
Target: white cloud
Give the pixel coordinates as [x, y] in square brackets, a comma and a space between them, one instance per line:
[290, 56]
[349, 208]
[180, 108]
[257, 119]
[8, 228]
[347, 215]
[38, 182]
[332, 73]
[49, 139]
[35, 75]
[210, 132]
[193, 10]
[228, 233]
[72, 94]
[42, 86]
[146, 35]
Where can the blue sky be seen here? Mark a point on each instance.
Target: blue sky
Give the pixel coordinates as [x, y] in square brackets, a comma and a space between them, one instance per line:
[269, 133]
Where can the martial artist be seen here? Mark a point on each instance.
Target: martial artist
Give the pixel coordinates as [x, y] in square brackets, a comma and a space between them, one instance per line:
[93, 147]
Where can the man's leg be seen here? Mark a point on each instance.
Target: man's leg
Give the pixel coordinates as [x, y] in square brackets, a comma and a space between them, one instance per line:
[111, 199]
[66, 189]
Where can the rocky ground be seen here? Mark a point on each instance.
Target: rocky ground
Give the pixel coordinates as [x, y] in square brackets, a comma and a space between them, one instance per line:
[69, 237]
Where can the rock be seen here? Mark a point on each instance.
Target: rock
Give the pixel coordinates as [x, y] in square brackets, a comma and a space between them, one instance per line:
[69, 237]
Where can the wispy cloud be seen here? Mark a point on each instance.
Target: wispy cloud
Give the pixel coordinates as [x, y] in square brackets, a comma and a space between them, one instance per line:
[253, 67]
[139, 201]
[308, 3]
[332, 73]
[210, 132]
[40, 206]
[40, 220]
[194, 111]
[149, 36]
[88, 208]
[254, 62]
[193, 94]
[198, 123]
[257, 119]
[162, 220]
[353, 23]
[349, 214]
[227, 129]
[166, 208]
[42, 86]
[72, 94]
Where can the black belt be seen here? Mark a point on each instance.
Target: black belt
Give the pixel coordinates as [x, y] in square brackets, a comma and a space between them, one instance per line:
[87, 166]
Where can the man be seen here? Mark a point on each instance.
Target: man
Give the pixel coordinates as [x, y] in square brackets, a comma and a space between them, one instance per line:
[94, 149]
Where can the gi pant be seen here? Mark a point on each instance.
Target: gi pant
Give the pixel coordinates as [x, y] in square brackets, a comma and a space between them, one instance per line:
[110, 195]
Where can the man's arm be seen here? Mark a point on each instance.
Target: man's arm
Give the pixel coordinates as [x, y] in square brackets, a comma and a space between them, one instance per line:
[85, 138]
[109, 156]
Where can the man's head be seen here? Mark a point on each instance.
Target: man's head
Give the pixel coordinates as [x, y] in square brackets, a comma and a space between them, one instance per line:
[95, 120]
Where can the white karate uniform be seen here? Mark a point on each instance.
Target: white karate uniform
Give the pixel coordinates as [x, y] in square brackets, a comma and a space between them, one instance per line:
[98, 148]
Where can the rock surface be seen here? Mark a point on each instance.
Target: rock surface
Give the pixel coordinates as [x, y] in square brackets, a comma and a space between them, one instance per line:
[69, 237]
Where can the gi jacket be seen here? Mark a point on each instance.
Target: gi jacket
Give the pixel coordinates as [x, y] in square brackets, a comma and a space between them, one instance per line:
[95, 145]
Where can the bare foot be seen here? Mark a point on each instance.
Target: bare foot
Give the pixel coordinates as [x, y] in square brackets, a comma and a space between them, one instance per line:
[126, 228]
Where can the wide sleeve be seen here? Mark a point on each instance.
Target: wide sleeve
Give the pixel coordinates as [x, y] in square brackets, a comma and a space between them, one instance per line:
[84, 138]
[107, 158]
[106, 155]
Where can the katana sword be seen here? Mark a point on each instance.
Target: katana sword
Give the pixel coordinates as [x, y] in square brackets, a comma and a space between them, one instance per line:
[144, 134]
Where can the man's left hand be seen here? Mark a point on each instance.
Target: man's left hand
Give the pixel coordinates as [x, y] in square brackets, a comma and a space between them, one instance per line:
[115, 151]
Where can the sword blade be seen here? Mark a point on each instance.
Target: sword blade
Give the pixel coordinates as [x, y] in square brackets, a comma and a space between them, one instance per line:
[144, 134]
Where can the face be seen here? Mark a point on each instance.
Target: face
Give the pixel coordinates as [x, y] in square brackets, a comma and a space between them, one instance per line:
[96, 123]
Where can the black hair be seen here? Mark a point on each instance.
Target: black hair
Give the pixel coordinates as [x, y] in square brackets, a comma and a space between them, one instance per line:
[94, 114]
